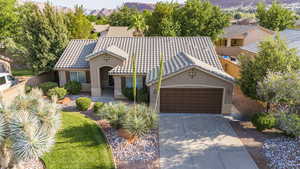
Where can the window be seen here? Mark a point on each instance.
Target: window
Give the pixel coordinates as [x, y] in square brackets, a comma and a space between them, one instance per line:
[10, 78]
[129, 82]
[2, 80]
[78, 77]
[221, 43]
[236, 42]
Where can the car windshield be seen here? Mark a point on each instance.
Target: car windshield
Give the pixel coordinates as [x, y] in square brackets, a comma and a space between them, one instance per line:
[2, 80]
[10, 78]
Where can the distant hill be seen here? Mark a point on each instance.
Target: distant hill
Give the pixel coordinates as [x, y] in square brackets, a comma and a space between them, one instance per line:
[220, 3]
[140, 6]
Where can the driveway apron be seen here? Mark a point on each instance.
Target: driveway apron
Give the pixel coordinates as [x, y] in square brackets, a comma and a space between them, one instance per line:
[191, 141]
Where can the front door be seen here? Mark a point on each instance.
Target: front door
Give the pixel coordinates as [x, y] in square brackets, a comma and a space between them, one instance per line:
[107, 80]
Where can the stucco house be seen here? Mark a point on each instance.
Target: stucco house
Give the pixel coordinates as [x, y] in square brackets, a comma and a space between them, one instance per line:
[291, 36]
[113, 31]
[236, 36]
[5, 64]
[193, 79]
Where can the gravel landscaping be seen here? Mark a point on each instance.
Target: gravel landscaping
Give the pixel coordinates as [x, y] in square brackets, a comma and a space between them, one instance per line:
[282, 153]
[144, 149]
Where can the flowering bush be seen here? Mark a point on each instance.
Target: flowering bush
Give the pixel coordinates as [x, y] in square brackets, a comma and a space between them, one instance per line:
[27, 128]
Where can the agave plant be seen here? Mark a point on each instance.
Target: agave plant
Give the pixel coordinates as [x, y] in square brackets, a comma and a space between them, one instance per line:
[27, 129]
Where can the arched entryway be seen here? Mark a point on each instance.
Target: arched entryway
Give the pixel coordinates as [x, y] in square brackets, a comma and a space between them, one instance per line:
[106, 81]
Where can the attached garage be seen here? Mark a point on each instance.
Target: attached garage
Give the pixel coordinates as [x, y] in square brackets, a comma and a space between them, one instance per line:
[191, 100]
[191, 86]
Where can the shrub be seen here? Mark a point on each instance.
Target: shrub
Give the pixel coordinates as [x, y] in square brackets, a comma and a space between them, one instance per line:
[290, 124]
[73, 87]
[142, 95]
[264, 121]
[114, 113]
[140, 120]
[28, 89]
[59, 92]
[98, 106]
[83, 103]
[45, 87]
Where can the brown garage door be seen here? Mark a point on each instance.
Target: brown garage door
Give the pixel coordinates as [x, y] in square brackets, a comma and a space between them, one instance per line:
[191, 100]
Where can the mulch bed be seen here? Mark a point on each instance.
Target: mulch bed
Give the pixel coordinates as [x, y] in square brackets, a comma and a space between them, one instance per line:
[254, 141]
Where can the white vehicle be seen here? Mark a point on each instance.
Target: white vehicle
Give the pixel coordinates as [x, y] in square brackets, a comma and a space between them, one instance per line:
[6, 81]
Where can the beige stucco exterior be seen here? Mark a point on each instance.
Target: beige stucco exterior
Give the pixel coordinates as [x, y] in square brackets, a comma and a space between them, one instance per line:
[95, 64]
[178, 80]
[200, 80]
[252, 36]
[5, 66]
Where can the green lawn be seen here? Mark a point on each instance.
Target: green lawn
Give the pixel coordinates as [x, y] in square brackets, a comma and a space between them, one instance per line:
[22, 72]
[79, 145]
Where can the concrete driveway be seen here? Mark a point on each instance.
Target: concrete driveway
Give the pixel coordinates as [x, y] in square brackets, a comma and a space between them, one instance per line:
[189, 141]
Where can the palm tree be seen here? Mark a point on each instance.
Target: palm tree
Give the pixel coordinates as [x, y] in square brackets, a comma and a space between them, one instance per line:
[139, 24]
[27, 129]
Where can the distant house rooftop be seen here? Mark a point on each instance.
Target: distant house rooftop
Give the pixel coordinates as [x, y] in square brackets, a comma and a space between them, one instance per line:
[241, 30]
[291, 36]
[113, 31]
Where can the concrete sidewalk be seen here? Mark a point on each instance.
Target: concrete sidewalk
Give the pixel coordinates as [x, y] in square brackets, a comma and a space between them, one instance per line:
[189, 141]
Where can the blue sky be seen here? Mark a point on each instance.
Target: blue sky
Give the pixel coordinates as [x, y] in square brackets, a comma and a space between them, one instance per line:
[98, 4]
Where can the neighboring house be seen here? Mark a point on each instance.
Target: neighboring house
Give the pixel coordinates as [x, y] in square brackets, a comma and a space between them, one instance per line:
[244, 21]
[291, 36]
[236, 36]
[193, 80]
[5, 64]
[113, 31]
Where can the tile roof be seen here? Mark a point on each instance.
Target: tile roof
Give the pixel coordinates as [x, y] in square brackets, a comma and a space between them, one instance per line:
[100, 28]
[238, 30]
[183, 61]
[74, 54]
[112, 50]
[291, 36]
[147, 50]
[119, 31]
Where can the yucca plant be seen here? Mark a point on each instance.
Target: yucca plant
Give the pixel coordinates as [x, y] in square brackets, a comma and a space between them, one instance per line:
[140, 120]
[159, 75]
[27, 129]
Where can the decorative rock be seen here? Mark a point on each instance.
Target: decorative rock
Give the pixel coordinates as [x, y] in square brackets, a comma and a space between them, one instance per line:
[144, 149]
[283, 153]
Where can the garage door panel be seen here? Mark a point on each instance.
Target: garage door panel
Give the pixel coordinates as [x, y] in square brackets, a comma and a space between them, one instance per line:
[191, 100]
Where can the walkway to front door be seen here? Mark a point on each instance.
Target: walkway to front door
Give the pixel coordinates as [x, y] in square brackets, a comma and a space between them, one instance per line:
[189, 141]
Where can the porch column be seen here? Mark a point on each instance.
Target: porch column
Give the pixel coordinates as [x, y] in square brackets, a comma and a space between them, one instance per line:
[228, 42]
[118, 88]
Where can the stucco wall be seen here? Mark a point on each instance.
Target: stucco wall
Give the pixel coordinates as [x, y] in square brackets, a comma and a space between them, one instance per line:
[255, 36]
[95, 64]
[5, 66]
[201, 80]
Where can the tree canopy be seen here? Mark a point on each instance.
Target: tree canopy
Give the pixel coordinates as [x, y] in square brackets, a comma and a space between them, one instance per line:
[8, 18]
[201, 18]
[44, 36]
[276, 18]
[274, 56]
[78, 24]
[122, 17]
[161, 22]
